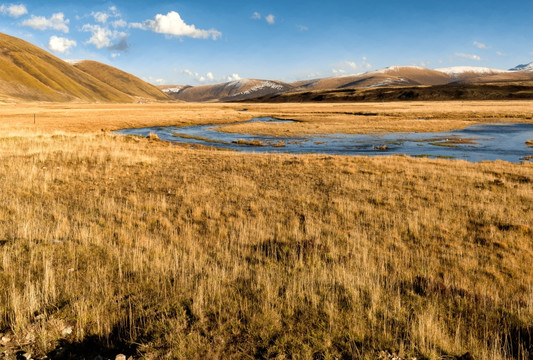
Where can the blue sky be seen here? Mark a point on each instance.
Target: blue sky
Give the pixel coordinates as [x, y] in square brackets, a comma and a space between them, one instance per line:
[202, 42]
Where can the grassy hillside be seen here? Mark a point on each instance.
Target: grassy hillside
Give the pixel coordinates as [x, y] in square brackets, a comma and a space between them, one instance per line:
[29, 73]
[121, 80]
[497, 91]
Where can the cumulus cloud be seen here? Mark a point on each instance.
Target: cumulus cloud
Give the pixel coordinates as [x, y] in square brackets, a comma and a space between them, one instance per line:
[173, 25]
[256, 16]
[480, 45]
[56, 22]
[271, 19]
[100, 17]
[119, 23]
[103, 16]
[60, 44]
[468, 56]
[103, 37]
[210, 76]
[14, 11]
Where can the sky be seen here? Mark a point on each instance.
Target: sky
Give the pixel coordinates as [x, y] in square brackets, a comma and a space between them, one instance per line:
[206, 41]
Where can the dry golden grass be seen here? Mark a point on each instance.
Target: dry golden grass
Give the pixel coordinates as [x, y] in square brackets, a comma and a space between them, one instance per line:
[155, 250]
[312, 118]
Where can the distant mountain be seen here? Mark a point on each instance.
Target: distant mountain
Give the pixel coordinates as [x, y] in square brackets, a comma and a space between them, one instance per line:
[229, 91]
[28, 73]
[465, 72]
[523, 67]
[391, 77]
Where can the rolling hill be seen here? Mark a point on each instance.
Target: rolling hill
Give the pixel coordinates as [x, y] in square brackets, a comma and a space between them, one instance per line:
[28, 73]
[428, 84]
[229, 91]
[121, 80]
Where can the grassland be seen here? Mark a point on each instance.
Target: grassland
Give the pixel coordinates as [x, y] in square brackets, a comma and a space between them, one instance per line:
[112, 244]
[311, 118]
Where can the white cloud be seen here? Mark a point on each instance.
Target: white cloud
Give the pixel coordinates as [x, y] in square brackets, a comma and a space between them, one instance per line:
[302, 28]
[100, 17]
[499, 53]
[314, 75]
[480, 45]
[234, 77]
[256, 16]
[349, 66]
[155, 81]
[271, 19]
[210, 76]
[119, 23]
[468, 56]
[115, 55]
[60, 44]
[56, 22]
[102, 37]
[172, 24]
[14, 11]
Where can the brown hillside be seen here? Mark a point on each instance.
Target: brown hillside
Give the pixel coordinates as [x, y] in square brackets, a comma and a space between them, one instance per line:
[235, 90]
[505, 91]
[121, 80]
[30, 73]
[394, 76]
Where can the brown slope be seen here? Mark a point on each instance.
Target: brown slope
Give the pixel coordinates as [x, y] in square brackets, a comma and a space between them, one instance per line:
[507, 77]
[235, 90]
[502, 91]
[30, 73]
[121, 80]
[393, 76]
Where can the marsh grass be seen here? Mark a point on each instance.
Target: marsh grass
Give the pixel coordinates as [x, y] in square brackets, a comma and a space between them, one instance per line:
[180, 253]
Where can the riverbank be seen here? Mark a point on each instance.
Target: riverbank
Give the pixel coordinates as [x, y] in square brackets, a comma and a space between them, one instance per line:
[312, 119]
[112, 244]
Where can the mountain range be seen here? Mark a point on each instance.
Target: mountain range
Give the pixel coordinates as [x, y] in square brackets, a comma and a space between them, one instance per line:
[28, 73]
[392, 77]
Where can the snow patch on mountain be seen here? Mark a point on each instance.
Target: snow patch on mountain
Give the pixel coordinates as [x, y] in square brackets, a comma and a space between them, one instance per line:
[73, 62]
[523, 67]
[396, 68]
[173, 90]
[388, 82]
[456, 71]
[263, 85]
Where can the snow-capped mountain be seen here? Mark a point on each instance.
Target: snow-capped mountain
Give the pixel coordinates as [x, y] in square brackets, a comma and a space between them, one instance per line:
[523, 67]
[460, 71]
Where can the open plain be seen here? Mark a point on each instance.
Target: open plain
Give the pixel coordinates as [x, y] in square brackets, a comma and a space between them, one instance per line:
[118, 244]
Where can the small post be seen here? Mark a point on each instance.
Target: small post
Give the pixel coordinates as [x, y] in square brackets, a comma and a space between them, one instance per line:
[33, 119]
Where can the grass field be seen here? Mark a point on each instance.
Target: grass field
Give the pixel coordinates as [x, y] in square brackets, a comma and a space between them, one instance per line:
[112, 244]
[311, 118]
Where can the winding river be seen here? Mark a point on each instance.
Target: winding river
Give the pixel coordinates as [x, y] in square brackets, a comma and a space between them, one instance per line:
[475, 143]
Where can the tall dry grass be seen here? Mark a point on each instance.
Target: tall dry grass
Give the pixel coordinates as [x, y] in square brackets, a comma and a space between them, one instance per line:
[159, 251]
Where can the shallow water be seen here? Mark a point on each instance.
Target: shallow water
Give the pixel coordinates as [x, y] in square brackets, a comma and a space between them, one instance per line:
[475, 143]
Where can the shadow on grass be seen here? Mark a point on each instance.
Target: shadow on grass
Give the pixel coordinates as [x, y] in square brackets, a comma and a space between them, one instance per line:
[92, 348]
